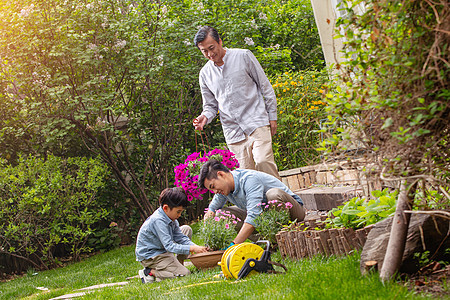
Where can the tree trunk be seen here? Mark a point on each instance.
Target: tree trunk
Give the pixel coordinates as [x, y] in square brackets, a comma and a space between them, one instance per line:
[397, 239]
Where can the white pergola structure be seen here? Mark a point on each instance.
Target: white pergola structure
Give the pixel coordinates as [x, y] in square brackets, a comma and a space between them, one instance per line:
[325, 13]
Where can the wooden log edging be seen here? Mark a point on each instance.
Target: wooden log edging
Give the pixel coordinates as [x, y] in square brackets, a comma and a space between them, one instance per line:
[304, 243]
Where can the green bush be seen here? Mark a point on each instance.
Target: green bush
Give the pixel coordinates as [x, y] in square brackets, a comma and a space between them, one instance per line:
[360, 212]
[281, 33]
[300, 111]
[274, 216]
[104, 239]
[49, 206]
[393, 90]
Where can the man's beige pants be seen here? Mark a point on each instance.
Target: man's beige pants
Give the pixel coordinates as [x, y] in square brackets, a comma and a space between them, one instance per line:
[167, 265]
[255, 152]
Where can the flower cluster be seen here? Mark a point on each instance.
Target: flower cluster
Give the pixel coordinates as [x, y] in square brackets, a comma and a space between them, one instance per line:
[301, 103]
[307, 92]
[274, 216]
[187, 173]
[218, 232]
[275, 204]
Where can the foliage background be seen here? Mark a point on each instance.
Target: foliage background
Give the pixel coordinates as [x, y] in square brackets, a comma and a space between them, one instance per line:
[118, 80]
[394, 89]
[301, 112]
[49, 208]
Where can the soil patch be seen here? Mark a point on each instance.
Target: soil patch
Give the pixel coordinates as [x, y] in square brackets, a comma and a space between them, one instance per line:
[431, 279]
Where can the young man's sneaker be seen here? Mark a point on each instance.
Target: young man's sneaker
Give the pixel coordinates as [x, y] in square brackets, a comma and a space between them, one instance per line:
[146, 276]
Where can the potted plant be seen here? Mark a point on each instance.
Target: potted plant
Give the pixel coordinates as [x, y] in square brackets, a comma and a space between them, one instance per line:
[217, 234]
[274, 216]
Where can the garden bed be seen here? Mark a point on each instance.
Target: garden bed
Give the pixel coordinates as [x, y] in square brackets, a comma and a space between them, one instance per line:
[310, 238]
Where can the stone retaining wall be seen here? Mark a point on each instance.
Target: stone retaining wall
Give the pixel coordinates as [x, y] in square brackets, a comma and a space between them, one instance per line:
[344, 173]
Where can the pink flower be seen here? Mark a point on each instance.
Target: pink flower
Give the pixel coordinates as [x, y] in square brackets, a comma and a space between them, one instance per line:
[186, 174]
[216, 219]
[227, 226]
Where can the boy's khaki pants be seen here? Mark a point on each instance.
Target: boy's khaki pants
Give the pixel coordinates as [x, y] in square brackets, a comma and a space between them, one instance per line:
[167, 265]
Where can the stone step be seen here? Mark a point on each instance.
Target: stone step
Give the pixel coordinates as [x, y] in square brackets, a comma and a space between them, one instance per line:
[327, 198]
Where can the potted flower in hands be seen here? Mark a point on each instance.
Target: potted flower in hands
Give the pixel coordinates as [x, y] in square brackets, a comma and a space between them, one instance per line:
[217, 233]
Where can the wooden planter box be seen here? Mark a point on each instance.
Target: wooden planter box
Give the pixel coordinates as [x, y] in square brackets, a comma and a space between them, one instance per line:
[310, 239]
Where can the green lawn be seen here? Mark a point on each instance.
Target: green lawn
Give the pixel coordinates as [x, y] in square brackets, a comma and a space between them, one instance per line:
[319, 278]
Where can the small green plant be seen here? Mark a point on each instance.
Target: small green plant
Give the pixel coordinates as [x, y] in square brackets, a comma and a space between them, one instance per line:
[218, 232]
[359, 212]
[274, 217]
[423, 258]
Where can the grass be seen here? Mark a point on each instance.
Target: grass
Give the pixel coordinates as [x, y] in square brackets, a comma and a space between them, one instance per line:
[318, 278]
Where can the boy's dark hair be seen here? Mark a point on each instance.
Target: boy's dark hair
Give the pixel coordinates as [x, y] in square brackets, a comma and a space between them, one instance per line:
[173, 197]
[203, 33]
[209, 171]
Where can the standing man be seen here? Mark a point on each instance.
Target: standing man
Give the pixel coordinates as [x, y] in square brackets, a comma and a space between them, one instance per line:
[234, 83]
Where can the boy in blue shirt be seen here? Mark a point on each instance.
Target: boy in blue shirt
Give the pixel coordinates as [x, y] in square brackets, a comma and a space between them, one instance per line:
[160, 237]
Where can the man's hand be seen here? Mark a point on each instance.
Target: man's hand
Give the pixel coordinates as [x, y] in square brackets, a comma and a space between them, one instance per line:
[199, 122]
[197, 249]
[246, 230]
[208, 214]
[273, 127]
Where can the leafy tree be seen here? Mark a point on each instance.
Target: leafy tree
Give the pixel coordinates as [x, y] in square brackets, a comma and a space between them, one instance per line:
[120, 78]
[114, 72]
[393, 92]
[282, 34]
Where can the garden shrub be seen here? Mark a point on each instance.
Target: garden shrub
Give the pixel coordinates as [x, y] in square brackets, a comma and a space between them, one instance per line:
[394, 85]
[272, 219]
[360, 212]
[300, 112]
[48, 207]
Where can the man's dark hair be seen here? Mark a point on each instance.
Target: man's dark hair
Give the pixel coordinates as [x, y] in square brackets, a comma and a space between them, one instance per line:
[209, 171]
[203, 33]
[173, 197]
